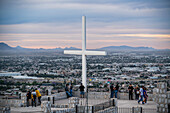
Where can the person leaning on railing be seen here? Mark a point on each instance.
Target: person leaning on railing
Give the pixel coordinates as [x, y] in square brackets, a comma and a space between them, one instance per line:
[33, 96]
[28, 95]
[38, 94]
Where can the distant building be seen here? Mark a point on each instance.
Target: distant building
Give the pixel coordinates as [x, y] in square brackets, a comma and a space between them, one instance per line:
[153, 69]
[10, 74]
[26, 77]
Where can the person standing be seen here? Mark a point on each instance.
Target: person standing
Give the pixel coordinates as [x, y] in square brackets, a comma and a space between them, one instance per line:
[116, 90]
[81, 91]
[33, 95]
[130, 88]
[111, 91]
[141, 95]
[136, 90]
[67, 91]
[145, 95]
[38, 94]
[71, 90]
[28, 98]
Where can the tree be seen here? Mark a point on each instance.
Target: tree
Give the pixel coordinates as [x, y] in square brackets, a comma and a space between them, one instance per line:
[34, 83]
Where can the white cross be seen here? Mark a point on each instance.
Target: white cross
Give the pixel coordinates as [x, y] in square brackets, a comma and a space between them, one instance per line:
[84, 52]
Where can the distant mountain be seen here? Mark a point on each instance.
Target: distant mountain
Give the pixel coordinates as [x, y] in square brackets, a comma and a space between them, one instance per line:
[110, 48]
[20, 48]
[71, 48]
[4, 46]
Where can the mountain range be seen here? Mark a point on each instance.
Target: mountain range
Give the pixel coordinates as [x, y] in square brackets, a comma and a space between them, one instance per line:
[4, 46]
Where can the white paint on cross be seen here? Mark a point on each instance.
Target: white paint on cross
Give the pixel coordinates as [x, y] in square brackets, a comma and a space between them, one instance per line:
[83, 52]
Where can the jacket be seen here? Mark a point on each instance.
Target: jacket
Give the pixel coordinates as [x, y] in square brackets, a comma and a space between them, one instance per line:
[38, 93]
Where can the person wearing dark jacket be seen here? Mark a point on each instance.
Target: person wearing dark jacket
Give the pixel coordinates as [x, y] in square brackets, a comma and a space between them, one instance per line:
[67, 91]
[81, 91]
[116, 90]
[130, 88]
[111, 91]
[28, 95]
[136, 90]
[71, 90]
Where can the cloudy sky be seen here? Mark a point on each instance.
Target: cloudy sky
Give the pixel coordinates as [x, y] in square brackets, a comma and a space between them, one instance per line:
[57, 23]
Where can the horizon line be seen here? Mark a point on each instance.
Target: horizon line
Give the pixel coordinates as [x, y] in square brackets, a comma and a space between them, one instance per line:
[26, 47]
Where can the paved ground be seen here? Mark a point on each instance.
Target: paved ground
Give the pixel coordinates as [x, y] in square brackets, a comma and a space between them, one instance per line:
[123, 104]
[133, 103]
[82, 101]
[26, 109]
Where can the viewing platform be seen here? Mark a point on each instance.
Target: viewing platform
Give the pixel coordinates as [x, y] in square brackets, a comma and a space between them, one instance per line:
[123, 105]
[98, 102]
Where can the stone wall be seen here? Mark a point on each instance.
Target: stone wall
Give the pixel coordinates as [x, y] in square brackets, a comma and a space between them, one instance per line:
[11, 102]
[106, 95]
[74, 106]
[98, 95]
[5, 109]
[125, 96]
[94, 95]
[162, 97]
[57, 96]
[108, 110]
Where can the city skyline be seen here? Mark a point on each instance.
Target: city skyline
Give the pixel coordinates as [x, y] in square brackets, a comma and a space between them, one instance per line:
[51, 24]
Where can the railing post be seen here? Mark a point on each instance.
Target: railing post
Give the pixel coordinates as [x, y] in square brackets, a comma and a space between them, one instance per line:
[92, 109]
[53, 100]
[103, 106]
[113, 102]
[141, 110]
[48, 98]
[110, 102]
[133, 110]
[76, 109]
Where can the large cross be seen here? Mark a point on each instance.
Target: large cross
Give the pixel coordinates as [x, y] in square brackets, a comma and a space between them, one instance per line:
[83, 52]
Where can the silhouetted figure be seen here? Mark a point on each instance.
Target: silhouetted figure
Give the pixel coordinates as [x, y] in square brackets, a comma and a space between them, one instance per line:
[81, 91]
[67, 91]
[145, 95]
[111, 91]
[130, 88]
[71, 90]
[116, 90]
[136, 90]
[28, 98]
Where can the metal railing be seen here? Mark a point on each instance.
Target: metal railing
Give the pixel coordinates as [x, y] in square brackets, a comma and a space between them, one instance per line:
[102, 106]
[131, 110]
[124, 110]
[149, 110]
[96, 107]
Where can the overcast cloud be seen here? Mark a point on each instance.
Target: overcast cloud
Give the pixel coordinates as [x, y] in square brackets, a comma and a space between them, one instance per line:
[57, 23]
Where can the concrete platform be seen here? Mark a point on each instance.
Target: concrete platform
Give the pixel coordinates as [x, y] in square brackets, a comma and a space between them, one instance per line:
[134, 103]
[26, 109]
[121, 104]
[82, 101]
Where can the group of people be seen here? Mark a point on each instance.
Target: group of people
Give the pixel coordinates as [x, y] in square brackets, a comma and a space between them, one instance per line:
[143, 95]
[114, 90]
[140, 93]
[69, 90]
[32, 96]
